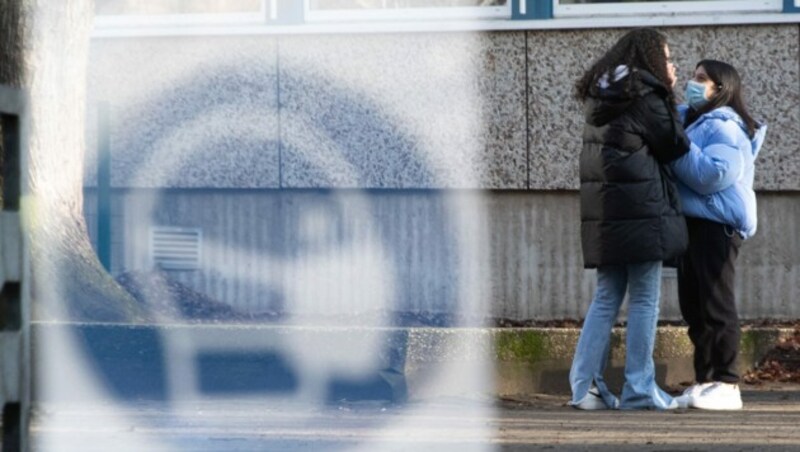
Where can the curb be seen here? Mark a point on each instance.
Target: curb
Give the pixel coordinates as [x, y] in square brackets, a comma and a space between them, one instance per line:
[537, 360]
[187, 362]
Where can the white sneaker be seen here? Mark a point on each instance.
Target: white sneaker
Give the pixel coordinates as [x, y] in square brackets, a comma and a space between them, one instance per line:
[687, 397]
[592, 401]
[719, 396]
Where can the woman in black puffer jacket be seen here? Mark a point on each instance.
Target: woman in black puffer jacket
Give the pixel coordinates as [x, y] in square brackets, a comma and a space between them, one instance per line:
[631, 219]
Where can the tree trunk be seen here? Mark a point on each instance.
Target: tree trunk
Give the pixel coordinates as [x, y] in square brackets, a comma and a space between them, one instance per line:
[44, 49]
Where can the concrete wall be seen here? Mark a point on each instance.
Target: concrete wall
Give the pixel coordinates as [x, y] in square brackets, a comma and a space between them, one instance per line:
[352, 252]
[466, 146]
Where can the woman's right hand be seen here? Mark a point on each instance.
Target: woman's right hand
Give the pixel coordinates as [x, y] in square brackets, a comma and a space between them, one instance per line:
[672, 73]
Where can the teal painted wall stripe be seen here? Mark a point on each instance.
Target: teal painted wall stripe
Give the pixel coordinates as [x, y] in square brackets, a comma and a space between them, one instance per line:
[104, 187]
[531, 9]
[789, 7]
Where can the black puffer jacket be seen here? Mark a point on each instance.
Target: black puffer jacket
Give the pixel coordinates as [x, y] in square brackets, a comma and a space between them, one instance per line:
[630, 211]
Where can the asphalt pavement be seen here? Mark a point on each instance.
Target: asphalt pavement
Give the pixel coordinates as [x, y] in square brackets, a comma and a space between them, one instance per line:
[769, 421]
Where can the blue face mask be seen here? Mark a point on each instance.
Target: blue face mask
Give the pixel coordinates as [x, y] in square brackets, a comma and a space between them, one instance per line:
[695, 94]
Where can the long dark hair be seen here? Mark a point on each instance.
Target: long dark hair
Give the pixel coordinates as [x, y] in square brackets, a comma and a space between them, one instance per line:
[729, 93]
[641, 48]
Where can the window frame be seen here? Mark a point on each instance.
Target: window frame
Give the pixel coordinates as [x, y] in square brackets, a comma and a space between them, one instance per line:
[664, 8]
[268, 10]
[408, 14]
[281, 17]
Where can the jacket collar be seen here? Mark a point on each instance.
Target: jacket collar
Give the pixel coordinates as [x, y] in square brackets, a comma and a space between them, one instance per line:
[610, 99]
[726, 114]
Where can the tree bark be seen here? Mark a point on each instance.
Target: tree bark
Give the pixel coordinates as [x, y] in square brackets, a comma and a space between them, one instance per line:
[44, 49]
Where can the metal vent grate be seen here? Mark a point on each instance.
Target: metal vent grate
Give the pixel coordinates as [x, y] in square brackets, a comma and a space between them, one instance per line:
[173, 248]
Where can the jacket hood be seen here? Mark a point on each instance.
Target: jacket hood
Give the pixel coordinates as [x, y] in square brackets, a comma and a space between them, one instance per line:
[728, 114]
[609, 99]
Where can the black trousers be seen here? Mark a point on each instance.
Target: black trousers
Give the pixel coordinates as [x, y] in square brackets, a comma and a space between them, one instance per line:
[706, 276]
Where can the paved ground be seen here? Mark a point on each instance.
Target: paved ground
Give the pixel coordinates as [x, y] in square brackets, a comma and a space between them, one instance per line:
[770, 421]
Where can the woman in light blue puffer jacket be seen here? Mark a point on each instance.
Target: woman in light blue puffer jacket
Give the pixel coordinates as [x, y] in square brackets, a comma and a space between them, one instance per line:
[715, 182]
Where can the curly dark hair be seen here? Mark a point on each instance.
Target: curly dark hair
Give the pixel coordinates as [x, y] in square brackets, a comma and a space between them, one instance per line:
[641, 48]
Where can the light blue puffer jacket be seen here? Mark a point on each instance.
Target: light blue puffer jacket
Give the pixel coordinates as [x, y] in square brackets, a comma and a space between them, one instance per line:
[715, 178]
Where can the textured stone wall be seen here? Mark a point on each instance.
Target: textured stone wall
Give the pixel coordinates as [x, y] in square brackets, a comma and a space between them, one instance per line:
[187, 112]
[767, 58]
[369, 111]
[445, 110]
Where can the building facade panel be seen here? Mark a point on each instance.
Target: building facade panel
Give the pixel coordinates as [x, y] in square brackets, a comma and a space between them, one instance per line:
[186, 112]
[428, 254]
[423, 170]
[403, 111]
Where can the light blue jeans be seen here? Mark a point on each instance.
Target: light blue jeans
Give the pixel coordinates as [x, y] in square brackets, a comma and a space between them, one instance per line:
[643, 282]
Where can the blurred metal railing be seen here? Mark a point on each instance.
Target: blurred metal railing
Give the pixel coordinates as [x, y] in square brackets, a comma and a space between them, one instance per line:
[14, 299]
